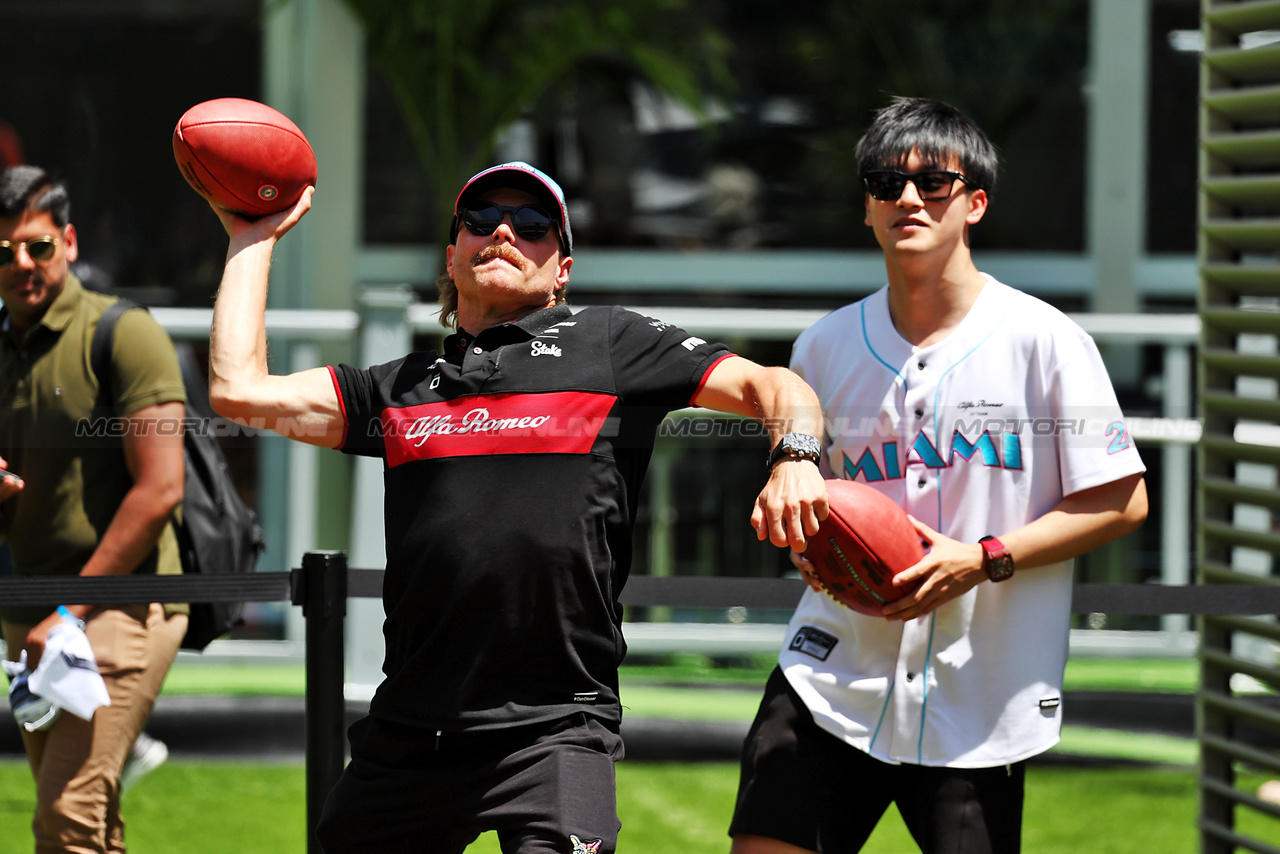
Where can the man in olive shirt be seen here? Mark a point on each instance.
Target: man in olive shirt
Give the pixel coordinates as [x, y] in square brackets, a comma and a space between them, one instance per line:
[83, 505]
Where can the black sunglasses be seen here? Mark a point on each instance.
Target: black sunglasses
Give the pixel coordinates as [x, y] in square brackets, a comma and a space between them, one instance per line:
[933, 185]
[38, 248]
[529, 221]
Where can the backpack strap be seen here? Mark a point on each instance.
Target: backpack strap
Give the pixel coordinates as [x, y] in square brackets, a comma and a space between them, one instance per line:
[100, 348]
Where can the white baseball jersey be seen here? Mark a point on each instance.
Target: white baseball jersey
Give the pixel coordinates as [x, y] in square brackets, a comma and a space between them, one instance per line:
[977, 434]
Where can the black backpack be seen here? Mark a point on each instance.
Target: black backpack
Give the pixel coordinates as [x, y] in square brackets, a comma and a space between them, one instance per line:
[217, 533]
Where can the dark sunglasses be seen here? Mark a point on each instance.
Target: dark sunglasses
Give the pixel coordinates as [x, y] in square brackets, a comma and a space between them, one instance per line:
[38, 248]
[933, 185]
[529, 221]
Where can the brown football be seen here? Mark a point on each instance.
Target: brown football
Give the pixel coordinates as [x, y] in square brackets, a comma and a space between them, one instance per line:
[864, 542]
[243, 156]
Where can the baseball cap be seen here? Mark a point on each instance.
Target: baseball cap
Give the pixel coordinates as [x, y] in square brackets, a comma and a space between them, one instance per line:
[517, 175]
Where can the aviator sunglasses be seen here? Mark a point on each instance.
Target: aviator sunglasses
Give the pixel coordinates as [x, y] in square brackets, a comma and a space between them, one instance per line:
[528, 221]
[38, 248]
[933, 185]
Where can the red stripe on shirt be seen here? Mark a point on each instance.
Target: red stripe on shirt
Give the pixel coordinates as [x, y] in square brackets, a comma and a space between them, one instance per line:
[565, 422]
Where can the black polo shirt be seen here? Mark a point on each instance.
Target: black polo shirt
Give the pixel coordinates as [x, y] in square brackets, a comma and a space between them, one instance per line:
[513, 471]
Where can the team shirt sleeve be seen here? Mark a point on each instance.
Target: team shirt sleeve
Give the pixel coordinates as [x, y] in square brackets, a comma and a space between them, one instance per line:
[657, 364]
[362, 408]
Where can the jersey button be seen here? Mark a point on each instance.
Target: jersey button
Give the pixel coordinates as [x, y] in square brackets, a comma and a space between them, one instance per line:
[921, 482]
[477, 351]
[911, 677]
[919, 413]
[920, 365]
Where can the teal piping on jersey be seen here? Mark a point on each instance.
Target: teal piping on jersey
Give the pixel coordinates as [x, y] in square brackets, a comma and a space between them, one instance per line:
[933, 621]
[933, 617]
[883, 709]
[866, 339]
[872, 350]
[924, 688]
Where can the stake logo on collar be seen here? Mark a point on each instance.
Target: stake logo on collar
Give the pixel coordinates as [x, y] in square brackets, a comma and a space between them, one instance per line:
[541, 349]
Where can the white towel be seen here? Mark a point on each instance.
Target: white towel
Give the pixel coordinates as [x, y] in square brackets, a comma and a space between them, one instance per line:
[68, 672]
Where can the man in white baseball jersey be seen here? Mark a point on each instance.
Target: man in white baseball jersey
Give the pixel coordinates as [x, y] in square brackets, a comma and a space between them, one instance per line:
[989, 417]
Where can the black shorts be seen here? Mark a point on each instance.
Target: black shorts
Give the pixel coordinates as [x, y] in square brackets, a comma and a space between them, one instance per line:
[543, 788]
[804, 786]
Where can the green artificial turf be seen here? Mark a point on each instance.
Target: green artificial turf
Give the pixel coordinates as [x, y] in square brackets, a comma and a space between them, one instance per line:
[690, 704]
[197, 807]
[1174, 675]
[1122, 744]
[188, 807]
[191, 676]
[666, 808]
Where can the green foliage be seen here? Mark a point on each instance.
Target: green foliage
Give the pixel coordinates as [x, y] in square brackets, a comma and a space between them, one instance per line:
[463, 70]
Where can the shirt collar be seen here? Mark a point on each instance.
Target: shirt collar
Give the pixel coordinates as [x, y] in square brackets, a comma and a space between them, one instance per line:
[530, 325]
[64, 305]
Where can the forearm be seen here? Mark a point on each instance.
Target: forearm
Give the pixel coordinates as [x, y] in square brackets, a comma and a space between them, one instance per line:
[131, 536]
[1079, 523]
[238, 336]
[775, 396]
[302, 405]
[786, 404]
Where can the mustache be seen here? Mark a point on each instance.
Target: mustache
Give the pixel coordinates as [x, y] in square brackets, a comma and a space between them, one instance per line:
[497, 250]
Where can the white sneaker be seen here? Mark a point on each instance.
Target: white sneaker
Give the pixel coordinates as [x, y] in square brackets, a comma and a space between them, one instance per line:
[147, 754]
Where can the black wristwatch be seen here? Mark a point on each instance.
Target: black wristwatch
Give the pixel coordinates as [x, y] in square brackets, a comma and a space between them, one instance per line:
[796, 446]
[996, 560]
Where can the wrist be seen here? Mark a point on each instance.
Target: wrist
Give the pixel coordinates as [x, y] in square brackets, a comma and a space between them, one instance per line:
[997, 563]
[796, 446]
[70, 616]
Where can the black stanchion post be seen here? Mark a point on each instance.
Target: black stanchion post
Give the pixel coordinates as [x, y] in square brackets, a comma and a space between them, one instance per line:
[320, 587]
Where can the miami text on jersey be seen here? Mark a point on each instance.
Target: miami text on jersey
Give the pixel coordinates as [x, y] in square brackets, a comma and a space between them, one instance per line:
[892, 461]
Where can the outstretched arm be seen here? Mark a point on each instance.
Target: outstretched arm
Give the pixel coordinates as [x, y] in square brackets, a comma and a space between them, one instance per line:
[1081, 522]
[794, 500]
[303, 405]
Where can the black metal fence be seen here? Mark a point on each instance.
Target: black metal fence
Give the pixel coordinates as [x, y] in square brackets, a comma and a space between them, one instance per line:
[324, 583]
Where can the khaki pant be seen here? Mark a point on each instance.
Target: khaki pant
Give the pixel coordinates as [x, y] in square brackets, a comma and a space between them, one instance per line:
[77, 763]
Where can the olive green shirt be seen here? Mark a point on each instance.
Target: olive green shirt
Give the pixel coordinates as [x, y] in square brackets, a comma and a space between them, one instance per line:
[74, 470]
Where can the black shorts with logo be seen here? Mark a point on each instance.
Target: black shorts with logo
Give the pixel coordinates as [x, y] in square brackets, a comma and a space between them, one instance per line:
[544, 788]
[804, 786]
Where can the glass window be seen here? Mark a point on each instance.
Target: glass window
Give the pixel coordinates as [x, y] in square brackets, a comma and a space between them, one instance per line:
[773, 166]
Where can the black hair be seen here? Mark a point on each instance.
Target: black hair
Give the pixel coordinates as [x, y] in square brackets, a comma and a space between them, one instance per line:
[938, 132]
[30, 188]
